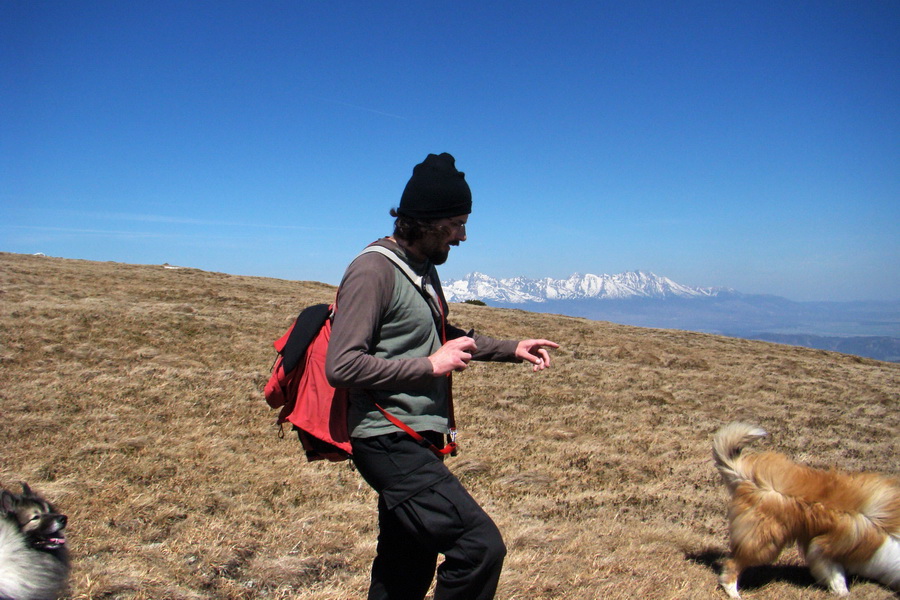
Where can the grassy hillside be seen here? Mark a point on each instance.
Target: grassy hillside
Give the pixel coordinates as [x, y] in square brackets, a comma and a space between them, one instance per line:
[131, 396]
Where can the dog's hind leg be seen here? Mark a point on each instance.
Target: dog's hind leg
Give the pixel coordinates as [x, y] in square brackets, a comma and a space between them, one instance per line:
[826, 571]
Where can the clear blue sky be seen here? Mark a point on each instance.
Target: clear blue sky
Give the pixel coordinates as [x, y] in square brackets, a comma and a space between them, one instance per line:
[749, 144]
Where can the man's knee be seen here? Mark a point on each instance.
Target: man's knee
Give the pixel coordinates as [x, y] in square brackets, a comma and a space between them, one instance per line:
[487, 538]
[497, 547]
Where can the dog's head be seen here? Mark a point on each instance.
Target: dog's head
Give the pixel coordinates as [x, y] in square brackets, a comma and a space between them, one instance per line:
[40, 523]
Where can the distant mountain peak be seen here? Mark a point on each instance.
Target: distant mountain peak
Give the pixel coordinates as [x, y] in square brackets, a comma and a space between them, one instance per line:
[517, 290]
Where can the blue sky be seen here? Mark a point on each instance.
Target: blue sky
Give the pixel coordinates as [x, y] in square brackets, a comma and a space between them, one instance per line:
[748, 144]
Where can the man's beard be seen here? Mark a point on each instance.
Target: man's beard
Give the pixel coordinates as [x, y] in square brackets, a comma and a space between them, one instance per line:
[439, 257]
[436, 250]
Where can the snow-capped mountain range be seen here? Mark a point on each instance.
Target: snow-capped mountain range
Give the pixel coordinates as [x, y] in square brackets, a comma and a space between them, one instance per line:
[623, 286]
[642, 299]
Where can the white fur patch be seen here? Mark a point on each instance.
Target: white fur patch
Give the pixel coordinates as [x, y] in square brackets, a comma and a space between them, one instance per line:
[732, 590]
[13, 561]
[884, 566]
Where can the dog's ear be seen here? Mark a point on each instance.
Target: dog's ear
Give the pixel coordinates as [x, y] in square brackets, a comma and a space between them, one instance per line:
[7, 502]
[26, 491]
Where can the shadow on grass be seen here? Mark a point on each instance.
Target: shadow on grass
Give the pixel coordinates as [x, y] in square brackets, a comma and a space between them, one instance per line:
[755, 577]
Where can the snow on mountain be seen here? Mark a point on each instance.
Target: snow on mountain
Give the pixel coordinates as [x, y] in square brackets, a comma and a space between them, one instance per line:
[517, 290]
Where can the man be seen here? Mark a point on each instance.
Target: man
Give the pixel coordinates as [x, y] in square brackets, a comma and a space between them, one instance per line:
[391, 346]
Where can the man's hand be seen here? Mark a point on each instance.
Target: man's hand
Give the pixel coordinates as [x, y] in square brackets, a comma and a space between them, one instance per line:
[452, 356]
[534, 351]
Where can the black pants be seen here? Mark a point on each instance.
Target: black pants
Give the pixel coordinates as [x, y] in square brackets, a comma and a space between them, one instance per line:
[423, 511]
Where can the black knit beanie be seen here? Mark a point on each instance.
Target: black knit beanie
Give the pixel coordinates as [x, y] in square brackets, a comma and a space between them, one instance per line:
[436, 190]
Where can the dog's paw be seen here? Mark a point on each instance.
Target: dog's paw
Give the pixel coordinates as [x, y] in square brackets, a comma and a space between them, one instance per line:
[730, 588]
[839, 588]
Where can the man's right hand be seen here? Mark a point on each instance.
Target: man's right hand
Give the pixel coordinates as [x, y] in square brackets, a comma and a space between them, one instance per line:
[452, 356]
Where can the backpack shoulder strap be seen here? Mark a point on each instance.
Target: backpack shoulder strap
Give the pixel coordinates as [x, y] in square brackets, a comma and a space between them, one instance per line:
[417, 280]
[421, 283]
[305, 329]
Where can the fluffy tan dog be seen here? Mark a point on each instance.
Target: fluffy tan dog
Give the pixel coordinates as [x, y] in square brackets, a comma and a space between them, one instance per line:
[840, 521]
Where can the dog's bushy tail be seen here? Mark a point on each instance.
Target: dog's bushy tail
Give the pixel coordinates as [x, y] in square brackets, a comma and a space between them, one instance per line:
[727, 445]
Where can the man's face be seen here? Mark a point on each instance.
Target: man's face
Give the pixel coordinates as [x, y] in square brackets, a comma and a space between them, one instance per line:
[448, 232]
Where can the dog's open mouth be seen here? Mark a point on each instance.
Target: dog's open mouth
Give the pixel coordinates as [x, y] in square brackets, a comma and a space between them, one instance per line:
[51, 543]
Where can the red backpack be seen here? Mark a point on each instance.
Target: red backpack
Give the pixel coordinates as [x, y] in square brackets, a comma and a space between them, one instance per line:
[298, 386]
[317, 411]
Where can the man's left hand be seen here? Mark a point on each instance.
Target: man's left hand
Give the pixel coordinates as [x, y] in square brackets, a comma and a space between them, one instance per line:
[535, 352]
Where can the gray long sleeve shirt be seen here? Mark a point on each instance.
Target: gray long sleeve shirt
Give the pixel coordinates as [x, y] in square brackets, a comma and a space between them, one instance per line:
[384, 330]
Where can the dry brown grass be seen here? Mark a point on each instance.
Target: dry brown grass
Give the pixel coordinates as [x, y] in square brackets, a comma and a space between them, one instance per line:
[131, 396]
